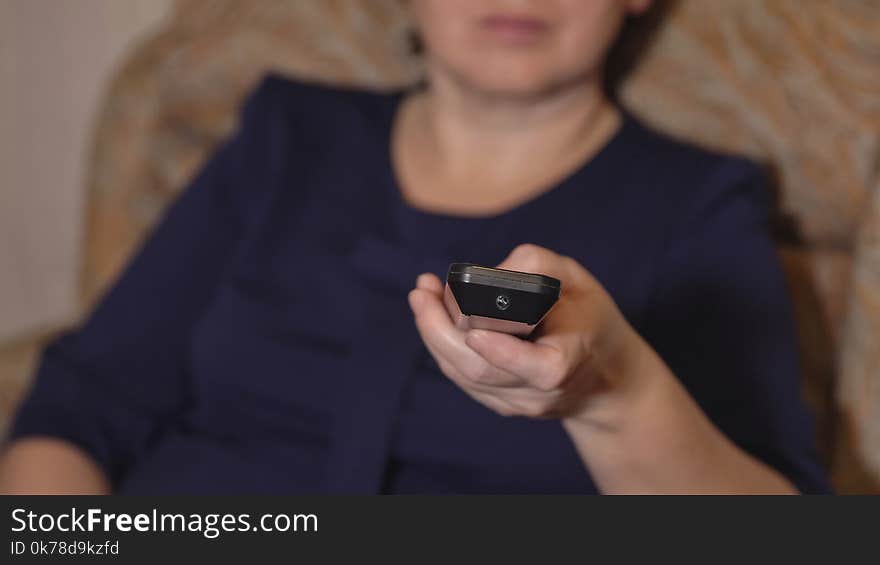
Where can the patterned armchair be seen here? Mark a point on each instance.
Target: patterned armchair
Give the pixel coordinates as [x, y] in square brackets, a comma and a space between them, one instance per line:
[792, 84]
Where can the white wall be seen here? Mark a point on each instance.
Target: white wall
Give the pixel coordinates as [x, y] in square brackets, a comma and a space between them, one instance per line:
[55, 59]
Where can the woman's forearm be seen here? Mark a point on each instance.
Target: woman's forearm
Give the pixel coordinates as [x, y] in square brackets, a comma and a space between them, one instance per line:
[654, 438]
[49, 466]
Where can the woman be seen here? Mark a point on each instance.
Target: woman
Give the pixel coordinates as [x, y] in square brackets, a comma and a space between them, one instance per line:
[261, 340]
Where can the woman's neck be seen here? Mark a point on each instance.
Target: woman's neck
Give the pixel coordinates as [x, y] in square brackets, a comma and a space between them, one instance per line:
[458, 146]
[464, 125]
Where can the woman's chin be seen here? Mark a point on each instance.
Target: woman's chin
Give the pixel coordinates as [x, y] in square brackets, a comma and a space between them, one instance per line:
[517, 79]
[519, 91]
[512, 85]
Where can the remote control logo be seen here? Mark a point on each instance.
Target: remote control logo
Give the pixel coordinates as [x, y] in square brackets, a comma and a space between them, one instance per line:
[502, 302]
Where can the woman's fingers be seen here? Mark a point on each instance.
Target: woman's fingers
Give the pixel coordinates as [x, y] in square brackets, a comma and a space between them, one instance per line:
[446, 342]
[544, 364]
[430, 282]
[530, 258]
[537, 378]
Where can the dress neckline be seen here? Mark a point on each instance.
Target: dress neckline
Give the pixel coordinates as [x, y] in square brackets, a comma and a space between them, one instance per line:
[574, 181]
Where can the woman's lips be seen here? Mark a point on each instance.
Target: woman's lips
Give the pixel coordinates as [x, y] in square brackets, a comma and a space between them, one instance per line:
[514, 29]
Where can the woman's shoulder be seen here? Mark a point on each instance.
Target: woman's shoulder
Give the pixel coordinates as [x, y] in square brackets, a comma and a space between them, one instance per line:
[287, 129]
[305, 102]
[308, 88]
[690, 178]
[665, 156]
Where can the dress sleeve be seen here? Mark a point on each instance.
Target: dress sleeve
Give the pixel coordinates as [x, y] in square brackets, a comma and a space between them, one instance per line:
[117, 382]
[720, 317]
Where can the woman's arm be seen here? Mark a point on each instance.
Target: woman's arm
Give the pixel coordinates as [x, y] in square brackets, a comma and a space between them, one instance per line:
[45, 465]
[106, 392]
[635, 426]
[658, 440]
[710, 403]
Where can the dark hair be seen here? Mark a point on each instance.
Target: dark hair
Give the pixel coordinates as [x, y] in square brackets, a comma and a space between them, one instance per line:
[636, 37]
[414, 42]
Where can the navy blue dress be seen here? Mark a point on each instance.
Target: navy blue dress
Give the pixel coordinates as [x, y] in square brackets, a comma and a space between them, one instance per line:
[261, 340]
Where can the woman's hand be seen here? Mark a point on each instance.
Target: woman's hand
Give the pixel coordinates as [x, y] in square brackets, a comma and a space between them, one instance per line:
[580, 352]
[45, 465]
[634, 425]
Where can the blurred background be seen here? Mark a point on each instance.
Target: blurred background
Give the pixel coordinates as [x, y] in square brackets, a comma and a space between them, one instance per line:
[57, 59]
[108, 106]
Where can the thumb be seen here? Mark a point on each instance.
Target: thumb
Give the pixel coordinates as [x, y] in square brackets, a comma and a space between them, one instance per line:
[531, 258]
